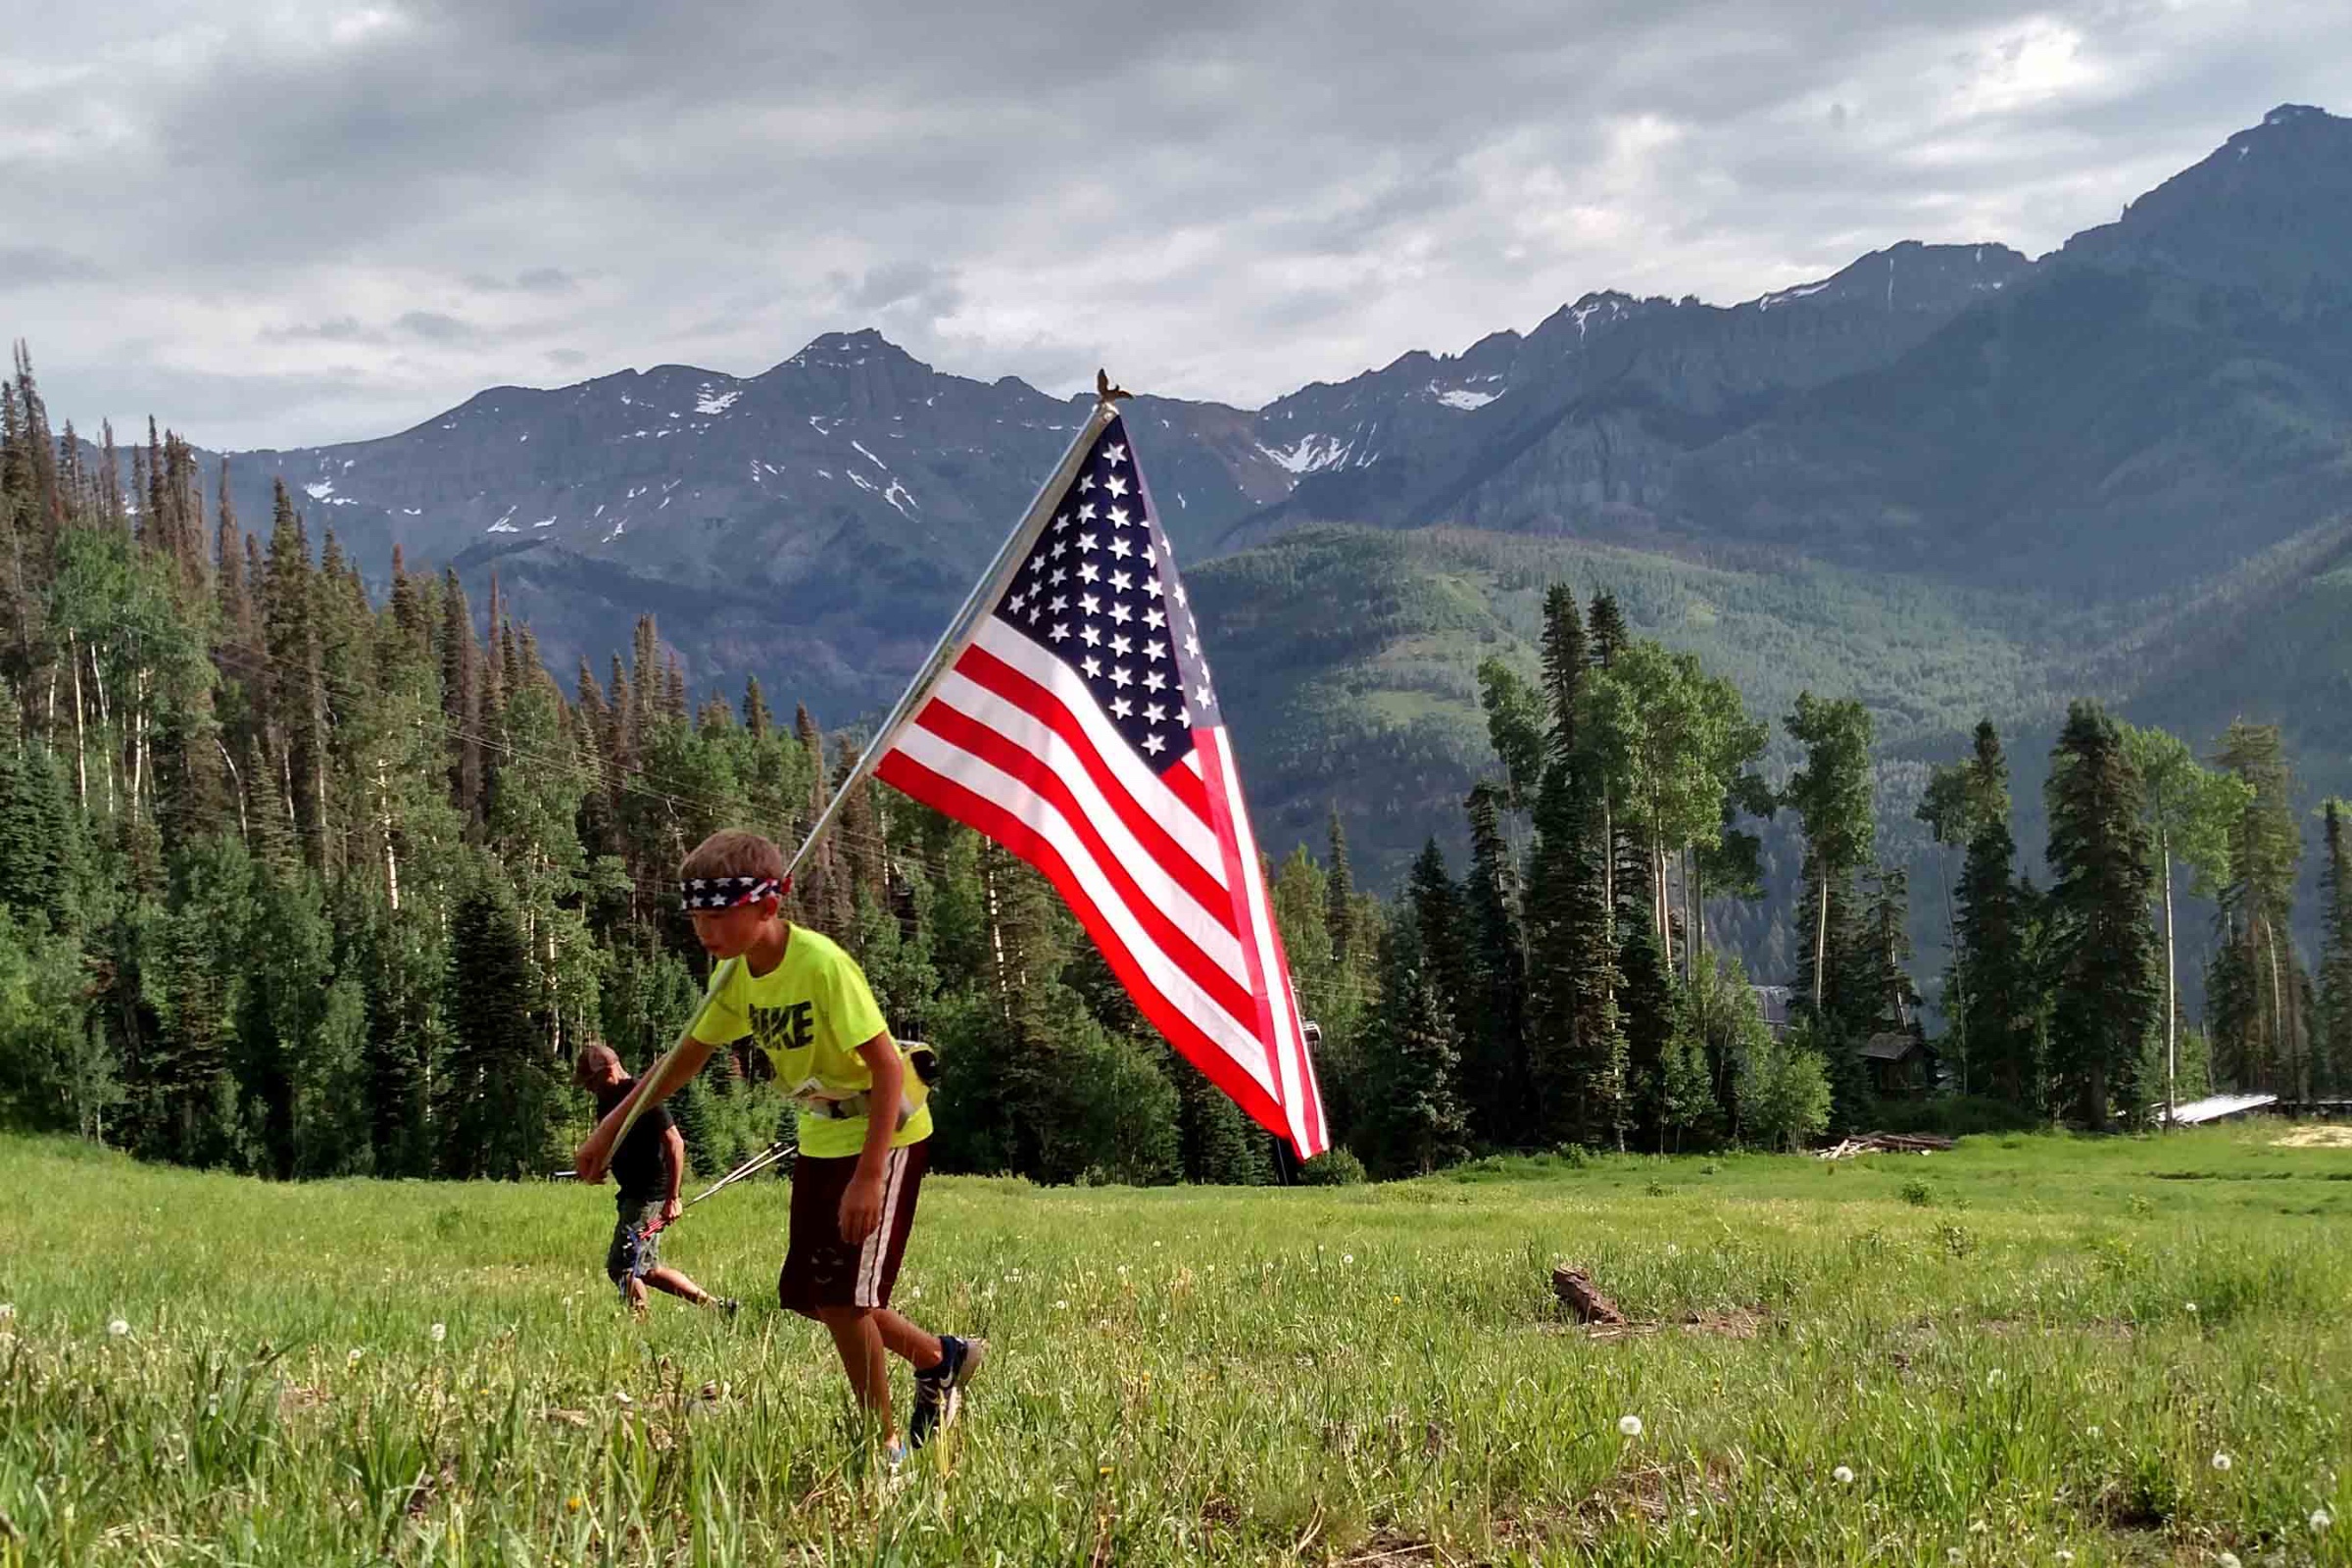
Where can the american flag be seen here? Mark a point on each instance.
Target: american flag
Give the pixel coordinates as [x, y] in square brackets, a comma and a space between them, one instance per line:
[1077, 725]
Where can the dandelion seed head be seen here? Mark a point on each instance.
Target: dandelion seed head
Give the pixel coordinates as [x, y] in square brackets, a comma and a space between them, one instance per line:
[1951, 1554]
[352, 1359]
[8, 1310]
[2092, 1432]
[1061, 1307]
[1630, 1425]
[2188, 1306]
[118, 1327]
[1844, 1475]
[2221, 1460]
[1347, 1258]
[2321, 1518]
[438, 1332]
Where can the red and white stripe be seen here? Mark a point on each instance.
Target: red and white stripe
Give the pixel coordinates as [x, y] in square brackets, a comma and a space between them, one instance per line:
[1160, 869]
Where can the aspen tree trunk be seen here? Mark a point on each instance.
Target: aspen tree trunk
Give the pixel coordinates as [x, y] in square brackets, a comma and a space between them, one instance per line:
[81, 765]
[996, 943]
[236, 782]
[138, 743]
[104, 721]
[2171, 1059]
[2278, 1002]
[383, 795]
[1821, 935]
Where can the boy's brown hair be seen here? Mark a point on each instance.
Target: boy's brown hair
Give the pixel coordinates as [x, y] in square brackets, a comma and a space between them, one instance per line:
[591, 1061]
[733, 851]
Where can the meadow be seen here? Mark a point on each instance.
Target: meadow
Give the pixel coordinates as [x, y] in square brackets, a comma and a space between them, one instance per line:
[2037, 1350]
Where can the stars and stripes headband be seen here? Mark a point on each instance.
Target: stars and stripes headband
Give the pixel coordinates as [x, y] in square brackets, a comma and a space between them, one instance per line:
[725, 891]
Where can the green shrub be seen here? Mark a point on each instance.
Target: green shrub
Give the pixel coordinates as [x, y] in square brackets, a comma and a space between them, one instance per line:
[1785, 1093]
[1334, 1167]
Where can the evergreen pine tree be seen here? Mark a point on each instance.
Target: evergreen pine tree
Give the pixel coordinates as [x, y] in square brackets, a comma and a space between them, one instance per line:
[2332, 1065]
[1339, 910]
[2255, 983]
[1435, 901]
[2103, 965]
[497, 1092]
[460, 698]
[755, 716]
[298, 691]
[1413, 1121]
[1495, 1066]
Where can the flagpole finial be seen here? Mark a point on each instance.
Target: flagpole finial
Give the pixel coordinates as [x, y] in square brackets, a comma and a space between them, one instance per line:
[1104, 392]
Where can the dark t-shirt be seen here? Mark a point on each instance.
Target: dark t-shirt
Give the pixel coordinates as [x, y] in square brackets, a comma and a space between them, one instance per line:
[638, 1169]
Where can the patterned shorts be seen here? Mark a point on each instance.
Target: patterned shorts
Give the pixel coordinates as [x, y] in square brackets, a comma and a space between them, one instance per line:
[821, 1269]
[627, 1228]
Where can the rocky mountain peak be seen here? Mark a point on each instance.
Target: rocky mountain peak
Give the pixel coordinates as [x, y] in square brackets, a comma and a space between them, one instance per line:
[2270, 209]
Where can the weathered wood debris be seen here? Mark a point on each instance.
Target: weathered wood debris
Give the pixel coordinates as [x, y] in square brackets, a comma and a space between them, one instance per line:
[1583, 1299]
[1887, 1143]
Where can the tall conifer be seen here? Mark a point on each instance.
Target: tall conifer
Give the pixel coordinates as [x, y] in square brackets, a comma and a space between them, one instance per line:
[2103, 964]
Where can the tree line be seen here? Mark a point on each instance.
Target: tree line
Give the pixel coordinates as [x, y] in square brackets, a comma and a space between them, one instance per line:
[302, 882]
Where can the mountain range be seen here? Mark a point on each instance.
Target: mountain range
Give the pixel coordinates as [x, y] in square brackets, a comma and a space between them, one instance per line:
[1953, 478]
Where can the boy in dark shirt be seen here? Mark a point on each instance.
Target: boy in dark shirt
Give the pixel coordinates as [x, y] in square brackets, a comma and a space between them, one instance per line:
[647, 1167]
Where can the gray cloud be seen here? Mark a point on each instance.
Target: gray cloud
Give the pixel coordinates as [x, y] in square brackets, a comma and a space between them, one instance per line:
[1224, 199]
[531, 280]
[335, 329]
[433, 326]
[24, 266]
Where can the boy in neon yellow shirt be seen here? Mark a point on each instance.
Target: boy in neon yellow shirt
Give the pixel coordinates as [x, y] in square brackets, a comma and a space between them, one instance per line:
[864, 1134]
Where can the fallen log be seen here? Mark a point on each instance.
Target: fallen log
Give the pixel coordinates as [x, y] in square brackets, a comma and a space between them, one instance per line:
[1582, 1297]
[1887, 1143]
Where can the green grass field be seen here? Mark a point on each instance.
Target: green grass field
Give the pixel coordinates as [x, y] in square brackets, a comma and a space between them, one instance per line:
[2037, 1349]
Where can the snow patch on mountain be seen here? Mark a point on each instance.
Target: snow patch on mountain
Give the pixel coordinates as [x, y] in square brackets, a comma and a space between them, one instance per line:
[1463, 397]
[1311, 454]
[1784, 295]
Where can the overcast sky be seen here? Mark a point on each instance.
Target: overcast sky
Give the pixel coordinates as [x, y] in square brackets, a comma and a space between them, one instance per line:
[278, 222]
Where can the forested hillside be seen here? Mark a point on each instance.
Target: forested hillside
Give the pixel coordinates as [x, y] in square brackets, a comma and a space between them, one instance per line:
[304, 881]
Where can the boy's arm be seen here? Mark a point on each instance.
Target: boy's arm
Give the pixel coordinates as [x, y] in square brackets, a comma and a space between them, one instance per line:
[663, 1079]
[862, 1204]
[674, 1156]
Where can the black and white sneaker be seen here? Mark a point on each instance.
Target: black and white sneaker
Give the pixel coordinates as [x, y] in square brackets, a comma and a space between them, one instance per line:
[939, 1393]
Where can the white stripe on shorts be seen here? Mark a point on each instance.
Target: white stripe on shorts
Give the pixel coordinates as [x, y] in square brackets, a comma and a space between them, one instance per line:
[877, 1241]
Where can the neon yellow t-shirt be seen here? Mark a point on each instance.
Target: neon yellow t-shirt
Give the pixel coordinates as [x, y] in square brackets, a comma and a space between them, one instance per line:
[809, 1014]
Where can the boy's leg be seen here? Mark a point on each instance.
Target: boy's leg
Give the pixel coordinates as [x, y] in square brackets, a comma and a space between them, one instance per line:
[622, 1254]
[913, 1345]
[665, 1278]
[859, 1340]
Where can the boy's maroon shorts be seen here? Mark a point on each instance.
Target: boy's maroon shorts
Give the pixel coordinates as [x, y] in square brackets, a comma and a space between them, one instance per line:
[821, 1269]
